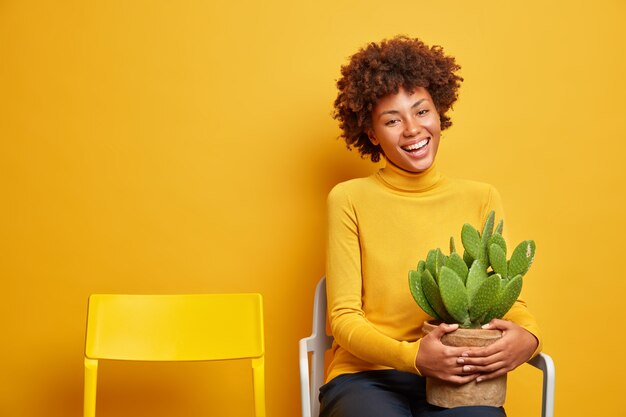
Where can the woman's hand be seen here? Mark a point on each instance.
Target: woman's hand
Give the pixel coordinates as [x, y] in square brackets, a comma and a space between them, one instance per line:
[436, 360]
[514, 348]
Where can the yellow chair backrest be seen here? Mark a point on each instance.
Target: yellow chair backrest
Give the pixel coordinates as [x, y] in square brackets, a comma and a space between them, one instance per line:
[200, 327]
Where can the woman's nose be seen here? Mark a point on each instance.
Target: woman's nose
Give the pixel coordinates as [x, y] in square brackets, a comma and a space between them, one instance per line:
[411, 128]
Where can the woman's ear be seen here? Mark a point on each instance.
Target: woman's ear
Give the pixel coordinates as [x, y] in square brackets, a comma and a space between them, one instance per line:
[372, 137]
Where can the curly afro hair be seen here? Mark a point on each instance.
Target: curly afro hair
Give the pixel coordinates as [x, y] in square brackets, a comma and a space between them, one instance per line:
[383, 68]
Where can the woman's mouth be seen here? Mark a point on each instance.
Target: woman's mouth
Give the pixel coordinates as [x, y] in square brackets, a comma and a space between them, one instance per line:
[416, 148]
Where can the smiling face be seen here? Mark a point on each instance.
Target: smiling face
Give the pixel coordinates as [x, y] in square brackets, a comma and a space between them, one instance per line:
[407, 128]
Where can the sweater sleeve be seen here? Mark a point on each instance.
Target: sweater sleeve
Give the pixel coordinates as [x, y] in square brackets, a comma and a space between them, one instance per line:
[349, 325]
[519, 313]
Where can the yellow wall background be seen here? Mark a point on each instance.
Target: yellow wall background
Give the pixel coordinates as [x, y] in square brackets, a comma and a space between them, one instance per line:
[160, 146]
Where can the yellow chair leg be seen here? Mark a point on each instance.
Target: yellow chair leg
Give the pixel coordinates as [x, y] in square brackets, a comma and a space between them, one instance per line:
[258, 375]
[91, 381]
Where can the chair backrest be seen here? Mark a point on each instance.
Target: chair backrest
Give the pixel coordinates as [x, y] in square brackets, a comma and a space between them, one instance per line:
[317, 344]
[198, 327]
[312, 377]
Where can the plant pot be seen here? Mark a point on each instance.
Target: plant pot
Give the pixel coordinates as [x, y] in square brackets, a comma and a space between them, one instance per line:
[448, 395]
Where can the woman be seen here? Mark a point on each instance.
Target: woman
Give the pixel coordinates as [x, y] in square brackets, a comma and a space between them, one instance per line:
[393, 99]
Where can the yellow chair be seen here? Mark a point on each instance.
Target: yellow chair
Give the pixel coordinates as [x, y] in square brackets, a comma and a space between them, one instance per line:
[202, 327]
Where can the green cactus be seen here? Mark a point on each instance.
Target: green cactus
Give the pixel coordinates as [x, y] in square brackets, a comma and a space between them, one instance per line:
[454, 296]
[434, 261]
[477, 287]
[456, 263]
[433, 295]
[497, 257]
[497, 239]
[507, 295]
[476, 276]
[484, 298]
[415, 283]
[500, 227]
[486, 235]
[522, 258]
[471, 240]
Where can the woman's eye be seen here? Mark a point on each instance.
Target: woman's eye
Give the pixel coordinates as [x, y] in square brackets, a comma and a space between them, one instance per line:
[422, 112]
[391, 122]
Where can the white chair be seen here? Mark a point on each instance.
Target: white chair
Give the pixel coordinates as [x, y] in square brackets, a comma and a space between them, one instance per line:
[312, 371]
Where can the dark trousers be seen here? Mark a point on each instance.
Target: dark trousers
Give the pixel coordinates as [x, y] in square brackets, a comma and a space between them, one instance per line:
[388, 393]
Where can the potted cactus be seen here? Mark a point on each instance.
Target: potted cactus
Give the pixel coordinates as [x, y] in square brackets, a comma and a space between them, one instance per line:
[470, 289]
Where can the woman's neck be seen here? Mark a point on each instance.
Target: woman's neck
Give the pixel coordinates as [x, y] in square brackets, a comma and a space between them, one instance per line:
[400, 179]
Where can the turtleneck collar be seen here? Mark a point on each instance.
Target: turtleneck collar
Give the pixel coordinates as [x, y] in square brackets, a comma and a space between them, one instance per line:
[401, 180]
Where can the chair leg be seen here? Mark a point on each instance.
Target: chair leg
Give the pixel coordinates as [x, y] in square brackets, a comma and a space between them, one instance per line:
[91, 382]
[545, 363]
[258, 376]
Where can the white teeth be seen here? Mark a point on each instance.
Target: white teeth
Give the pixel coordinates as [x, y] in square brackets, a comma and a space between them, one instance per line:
[417, 145]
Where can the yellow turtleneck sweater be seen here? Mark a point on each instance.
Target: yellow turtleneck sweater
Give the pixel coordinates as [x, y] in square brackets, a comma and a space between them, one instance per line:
[378, 229]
